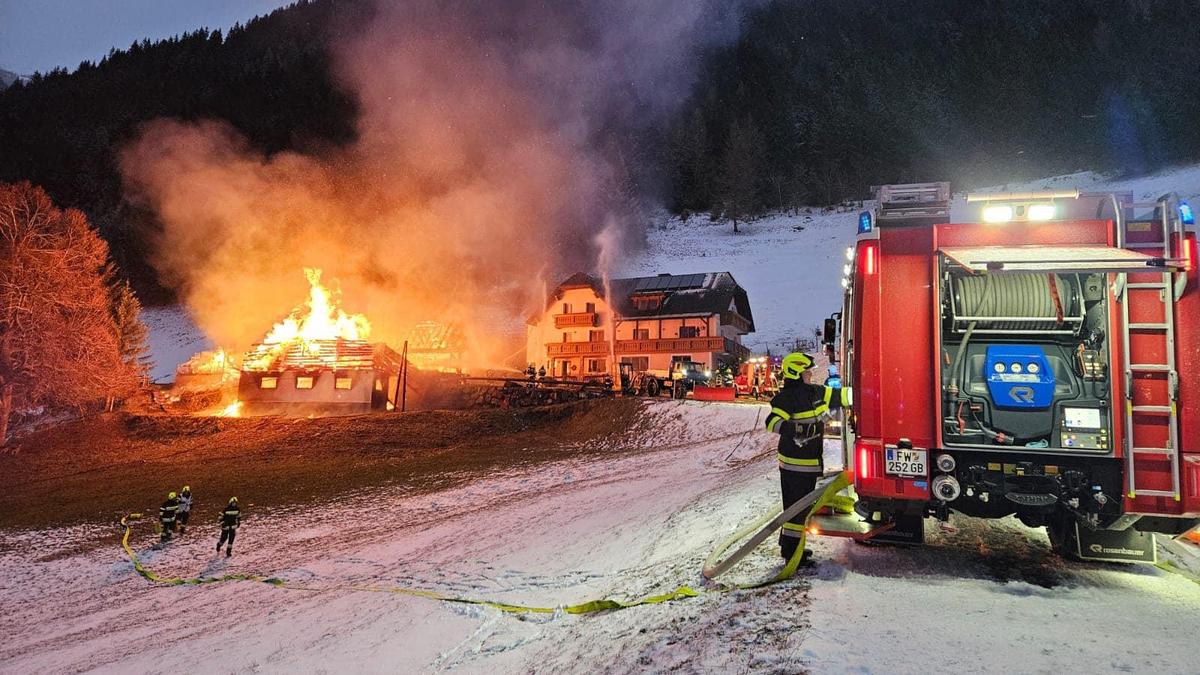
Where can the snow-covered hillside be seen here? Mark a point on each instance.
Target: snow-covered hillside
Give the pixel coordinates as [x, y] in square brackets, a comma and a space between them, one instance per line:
[791, 265]
[174, 338]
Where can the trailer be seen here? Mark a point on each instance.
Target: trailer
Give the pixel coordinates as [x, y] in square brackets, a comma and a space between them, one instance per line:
[1045, 366]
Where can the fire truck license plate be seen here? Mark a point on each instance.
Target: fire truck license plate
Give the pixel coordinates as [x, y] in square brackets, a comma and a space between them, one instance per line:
[906, 462]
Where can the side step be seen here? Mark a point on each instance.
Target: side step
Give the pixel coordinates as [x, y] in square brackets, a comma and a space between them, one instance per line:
[1119, 546]
[903, 529]
[847, 525]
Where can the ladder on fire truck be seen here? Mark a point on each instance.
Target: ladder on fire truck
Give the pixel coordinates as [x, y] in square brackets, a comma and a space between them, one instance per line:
[1157, 337]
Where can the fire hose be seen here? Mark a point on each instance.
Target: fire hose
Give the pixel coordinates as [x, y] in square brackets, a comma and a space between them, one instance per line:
[824, 494]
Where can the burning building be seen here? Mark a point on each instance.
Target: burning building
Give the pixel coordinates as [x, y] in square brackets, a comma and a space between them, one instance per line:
[436, 347]
[318, 361]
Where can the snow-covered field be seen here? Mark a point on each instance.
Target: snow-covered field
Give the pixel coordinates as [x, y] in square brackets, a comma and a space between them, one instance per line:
[988, 598]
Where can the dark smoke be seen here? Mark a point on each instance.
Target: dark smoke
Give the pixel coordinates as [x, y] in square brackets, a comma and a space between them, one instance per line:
[496, 139]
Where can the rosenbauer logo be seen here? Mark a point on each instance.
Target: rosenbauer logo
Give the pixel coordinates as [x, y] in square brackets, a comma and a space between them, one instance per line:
[1097, 548]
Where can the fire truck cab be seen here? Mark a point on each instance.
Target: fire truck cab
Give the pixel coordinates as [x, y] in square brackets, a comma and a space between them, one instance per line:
[1033, 354]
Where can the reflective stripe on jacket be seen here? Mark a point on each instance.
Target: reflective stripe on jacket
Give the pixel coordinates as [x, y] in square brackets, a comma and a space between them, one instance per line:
[797, 413]
[231, 518]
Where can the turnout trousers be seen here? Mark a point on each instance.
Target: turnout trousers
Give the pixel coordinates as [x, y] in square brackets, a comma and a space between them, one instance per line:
[795, 482]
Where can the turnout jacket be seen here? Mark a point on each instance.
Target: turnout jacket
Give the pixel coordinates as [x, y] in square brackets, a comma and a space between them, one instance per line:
[231, 517]
[185, 503]
[797, 413]
[166, 512]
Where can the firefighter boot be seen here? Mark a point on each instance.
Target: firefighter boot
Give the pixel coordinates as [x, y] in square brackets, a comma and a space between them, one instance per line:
[228, 552]
[787, 548]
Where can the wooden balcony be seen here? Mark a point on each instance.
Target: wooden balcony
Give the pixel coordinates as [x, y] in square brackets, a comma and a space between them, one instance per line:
[681, 346]
[561, 349]
[576, 320]
[669, 346]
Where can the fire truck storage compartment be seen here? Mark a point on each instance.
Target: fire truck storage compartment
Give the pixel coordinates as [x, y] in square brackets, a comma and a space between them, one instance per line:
[1025, 360]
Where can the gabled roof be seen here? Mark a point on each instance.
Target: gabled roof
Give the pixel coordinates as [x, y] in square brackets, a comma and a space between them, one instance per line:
[682, 294]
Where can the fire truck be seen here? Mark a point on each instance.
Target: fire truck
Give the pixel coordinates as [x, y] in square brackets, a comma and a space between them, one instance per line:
[1032, 355]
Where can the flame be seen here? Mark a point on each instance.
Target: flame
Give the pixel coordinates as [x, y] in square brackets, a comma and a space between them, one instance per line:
[205, 363]
[232, 410]
[318, 320]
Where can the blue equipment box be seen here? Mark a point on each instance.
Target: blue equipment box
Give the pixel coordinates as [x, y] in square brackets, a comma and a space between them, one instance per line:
[1019, 376]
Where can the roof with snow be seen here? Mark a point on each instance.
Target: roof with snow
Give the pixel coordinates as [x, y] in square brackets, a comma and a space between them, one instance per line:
[681, 294]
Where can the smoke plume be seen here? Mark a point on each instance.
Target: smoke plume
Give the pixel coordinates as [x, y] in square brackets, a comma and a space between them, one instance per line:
[493, 144]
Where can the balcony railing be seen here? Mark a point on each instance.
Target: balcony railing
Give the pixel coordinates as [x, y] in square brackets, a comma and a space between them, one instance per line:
[576, 348]
[674, 346]
[576, 320]
[677, 345]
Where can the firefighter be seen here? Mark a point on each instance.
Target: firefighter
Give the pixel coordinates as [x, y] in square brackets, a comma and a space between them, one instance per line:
[231, 517]
[185, 508]
[797, 413]
[166, 516]
[531, 373]
[542, 373]
[834, 379]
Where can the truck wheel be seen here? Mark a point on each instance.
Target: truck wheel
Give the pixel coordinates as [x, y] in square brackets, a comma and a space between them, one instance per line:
[652, 388]
[1061, 531]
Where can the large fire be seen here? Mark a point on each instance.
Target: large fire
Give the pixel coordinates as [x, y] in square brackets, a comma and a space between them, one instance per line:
[319, 320]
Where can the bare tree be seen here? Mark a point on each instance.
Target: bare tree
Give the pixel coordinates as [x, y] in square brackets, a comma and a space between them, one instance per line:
[59, 343]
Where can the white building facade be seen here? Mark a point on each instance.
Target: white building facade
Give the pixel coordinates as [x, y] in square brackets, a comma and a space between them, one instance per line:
[656, 321]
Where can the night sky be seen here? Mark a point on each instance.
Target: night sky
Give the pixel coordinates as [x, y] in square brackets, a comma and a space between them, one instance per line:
[38, 35]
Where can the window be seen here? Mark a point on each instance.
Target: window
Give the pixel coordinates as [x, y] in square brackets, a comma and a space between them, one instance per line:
[304, 381]
[596, 366]
[641, 333]
[591, 308]
[268, 382]
[566, 308]
[343, 382]
[596, 336]
[689, 331]
[639, 363]
[565, 336]
[647, 303]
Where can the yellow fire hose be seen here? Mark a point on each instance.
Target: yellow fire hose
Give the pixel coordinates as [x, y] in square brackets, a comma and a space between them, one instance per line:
[826, 493]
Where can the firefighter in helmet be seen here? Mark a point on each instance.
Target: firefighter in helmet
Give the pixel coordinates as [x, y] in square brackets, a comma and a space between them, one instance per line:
[231, 518]
[166, 516]
[184, 511]
[797, 414]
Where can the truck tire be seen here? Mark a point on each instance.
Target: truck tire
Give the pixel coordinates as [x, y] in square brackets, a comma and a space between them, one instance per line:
[652, 388]
[1061, 531]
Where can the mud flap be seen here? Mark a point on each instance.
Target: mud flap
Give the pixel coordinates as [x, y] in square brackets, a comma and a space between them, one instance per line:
[908, 529]
[1120, 546]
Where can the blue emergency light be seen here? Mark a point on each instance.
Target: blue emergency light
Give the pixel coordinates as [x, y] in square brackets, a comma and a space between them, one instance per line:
[1019, 376]
[864, 222]
[1185, 214]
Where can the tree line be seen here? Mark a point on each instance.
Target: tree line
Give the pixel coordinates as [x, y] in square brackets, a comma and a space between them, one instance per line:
[269, 78]
[816, 101]
[820, 99]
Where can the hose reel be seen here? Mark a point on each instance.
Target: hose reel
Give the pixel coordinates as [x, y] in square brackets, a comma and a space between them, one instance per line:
[1017, 303]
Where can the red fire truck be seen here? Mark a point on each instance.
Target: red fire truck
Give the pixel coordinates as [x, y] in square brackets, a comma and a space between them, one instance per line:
[1039, 358]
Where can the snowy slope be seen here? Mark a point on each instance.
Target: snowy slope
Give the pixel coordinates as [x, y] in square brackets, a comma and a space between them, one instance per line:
[791, 266]
[986, 599]
[174, 338]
